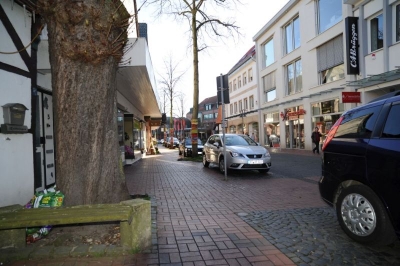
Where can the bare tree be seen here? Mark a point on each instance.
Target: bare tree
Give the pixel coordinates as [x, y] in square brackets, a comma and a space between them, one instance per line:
[180, 103]
[202, 23]
[86, 44]
[168, 81]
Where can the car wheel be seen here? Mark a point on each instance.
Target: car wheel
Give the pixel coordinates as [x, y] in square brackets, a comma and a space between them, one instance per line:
[221, 165]
[205, 163]
[363, 217]
[263, 171]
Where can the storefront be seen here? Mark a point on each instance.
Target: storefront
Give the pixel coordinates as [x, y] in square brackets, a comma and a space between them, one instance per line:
[271, 129]
[294, 127]
[325, 114]
[232, 129]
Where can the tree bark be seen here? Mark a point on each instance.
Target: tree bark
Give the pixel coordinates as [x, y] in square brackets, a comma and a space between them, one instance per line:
[85, 47]
[194, 130]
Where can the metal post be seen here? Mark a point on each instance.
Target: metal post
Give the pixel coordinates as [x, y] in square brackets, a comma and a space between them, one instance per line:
[223, 126]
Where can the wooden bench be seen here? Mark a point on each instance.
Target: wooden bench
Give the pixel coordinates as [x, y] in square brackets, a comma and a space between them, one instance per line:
[134, 217]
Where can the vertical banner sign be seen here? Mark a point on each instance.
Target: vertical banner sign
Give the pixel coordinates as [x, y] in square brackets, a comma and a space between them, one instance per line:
[194, 131]
[352, 45]
[222, 85]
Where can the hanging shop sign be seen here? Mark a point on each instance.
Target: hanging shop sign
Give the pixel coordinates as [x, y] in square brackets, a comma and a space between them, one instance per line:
[352, 45]
[351, 97]
[292, 115]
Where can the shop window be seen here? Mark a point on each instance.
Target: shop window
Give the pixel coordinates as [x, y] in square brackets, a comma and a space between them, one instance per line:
[292, 35]
[329, 14]
[269, 53]
[377, 33]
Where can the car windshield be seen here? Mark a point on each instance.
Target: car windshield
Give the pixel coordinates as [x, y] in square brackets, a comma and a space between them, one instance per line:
[239, 140]
[189, 142]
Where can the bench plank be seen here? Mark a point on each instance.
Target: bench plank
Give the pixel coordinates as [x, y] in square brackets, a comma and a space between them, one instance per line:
[65, 215]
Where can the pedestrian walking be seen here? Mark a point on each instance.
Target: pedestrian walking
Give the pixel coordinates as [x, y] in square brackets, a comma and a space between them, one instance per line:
[316, 137]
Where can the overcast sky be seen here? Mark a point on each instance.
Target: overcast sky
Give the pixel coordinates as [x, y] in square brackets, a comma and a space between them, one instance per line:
[169, 37]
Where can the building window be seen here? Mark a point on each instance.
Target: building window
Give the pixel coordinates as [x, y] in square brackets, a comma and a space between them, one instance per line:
[269, 83]
[269, 53]
[329, 14]
[208, 107]
[250, 75]
[236, 110]
[292, 35]
[377, 33]
[246, 106]
[294, 77]
[234, 84]
[239, 82]
[330, 60]
[231, 108]
[240, 105]
[251, 100]
[397, 23]
[244, 78]
[230, 87]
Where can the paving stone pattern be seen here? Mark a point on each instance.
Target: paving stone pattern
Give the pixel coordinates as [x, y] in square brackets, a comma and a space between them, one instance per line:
[312, 236]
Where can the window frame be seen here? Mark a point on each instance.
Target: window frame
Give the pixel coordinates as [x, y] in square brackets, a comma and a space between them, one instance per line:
[246, 105]
[397, 24]
[293, 38]
[374, 43]
[318, 3]
[295, 83]
[251, 102]
[266, 62]
[250, 71]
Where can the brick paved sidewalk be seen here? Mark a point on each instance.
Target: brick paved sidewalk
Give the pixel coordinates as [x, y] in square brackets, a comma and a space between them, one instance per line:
[197, 215]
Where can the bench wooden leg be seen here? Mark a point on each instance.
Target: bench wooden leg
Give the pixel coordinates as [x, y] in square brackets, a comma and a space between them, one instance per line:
[136, 233]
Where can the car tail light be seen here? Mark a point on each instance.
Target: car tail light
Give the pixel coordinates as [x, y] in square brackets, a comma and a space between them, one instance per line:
[332, 133]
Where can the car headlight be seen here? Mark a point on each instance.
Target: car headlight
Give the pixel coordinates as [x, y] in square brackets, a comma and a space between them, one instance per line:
[236, 154]
[267, 155]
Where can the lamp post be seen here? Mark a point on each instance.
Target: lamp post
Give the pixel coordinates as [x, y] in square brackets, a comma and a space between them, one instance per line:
[242, 115]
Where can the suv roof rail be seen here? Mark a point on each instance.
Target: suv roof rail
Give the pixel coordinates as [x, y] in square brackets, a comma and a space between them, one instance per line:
[388, 95]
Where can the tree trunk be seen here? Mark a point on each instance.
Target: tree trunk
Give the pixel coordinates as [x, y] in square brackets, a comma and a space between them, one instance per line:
[194, 130]
[83, 66]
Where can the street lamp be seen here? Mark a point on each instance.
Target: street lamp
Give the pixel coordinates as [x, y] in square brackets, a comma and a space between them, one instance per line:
[242, 115]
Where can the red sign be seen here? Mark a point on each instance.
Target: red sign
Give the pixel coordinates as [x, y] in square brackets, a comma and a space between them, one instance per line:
[351, 97]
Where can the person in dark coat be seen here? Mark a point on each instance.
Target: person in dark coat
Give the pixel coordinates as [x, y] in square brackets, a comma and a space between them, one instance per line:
[316, 137]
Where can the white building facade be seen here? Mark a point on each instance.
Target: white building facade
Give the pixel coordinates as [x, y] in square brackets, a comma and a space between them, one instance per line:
[303, 65]
[241, 112]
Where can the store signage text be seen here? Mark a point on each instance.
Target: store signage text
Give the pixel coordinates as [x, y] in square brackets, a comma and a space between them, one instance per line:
[351, 97]
[352, 45]
[290, 115]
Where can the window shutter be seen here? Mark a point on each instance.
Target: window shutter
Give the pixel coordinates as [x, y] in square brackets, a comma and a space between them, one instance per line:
[330, 54]
[269, 82]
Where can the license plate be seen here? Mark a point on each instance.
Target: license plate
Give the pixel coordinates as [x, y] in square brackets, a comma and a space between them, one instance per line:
[255, 162]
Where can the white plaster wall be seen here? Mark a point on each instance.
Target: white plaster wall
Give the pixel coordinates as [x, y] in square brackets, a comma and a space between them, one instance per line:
[372, 8]
[16, 164]
[23, 26]
[394, 56]
[374, 64]
[44, 81]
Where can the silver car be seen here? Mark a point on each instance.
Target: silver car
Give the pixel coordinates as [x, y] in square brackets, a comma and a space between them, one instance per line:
[242, 153]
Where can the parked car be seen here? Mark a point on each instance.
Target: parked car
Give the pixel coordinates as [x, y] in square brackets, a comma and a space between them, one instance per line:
[242, 153]
[361, 171]
[175, 143]
[185, 147]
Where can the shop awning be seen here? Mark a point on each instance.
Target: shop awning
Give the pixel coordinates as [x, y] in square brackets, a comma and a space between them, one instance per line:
[375, 79]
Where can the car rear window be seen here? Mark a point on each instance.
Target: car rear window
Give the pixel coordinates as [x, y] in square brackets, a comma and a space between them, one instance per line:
[358, 123]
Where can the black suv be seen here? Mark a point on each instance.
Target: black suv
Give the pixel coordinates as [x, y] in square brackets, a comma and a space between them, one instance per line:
[361, 171]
